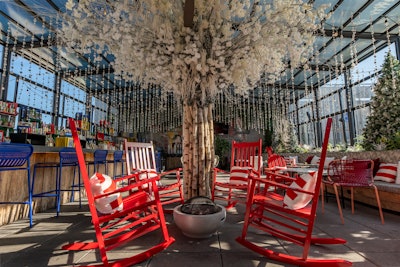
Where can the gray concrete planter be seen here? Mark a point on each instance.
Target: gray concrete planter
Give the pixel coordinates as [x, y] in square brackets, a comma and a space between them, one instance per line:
[199, 225]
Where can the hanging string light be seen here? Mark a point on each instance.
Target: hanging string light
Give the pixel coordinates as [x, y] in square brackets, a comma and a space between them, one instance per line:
[373, 42]
[5, 59]
[353, 54]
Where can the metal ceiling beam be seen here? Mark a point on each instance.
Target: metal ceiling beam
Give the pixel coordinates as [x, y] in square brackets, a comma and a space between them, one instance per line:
[86, 72]
[357, 35]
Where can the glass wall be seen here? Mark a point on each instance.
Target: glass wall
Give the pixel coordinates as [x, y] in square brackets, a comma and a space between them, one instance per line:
[346, 99]
[35, 87]
[72, 101]
[32, 86]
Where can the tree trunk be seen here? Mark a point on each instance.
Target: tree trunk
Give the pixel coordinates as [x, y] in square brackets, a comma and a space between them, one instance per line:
[198, 149]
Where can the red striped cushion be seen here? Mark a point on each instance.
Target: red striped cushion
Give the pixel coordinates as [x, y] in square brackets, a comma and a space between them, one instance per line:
[387, 172]
[101, 184]
[239, 175]
[147, 174]
[296, 200]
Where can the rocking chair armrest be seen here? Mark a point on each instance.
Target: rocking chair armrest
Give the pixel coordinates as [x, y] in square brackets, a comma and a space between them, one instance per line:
[285, 177]
[255, 172]
[177, 170]
[126, 177]
[278, 185]
[217, 170]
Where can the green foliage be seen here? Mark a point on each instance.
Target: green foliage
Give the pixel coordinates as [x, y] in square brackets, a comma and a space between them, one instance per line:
[221, 146]
[394, 142]
[268, 137]
[383, 124]
[358, 145]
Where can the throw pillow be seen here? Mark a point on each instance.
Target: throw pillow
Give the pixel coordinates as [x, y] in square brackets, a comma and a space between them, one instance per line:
[315, 160]
[327, 161]
[387, 172]
[297, 200]
[102, 184]
[309, 159]
[239, 175]
[147, 174]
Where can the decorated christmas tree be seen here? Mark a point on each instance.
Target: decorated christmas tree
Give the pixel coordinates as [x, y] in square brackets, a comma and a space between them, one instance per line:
[382, 130]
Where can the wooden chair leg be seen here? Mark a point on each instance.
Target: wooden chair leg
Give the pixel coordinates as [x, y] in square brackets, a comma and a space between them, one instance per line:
[379, 204]
[338, 203]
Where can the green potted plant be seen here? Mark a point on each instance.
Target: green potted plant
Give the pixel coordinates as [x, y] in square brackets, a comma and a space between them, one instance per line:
[222, 148]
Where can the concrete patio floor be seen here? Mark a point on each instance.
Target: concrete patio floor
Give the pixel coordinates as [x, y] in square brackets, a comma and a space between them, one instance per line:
[369, 243]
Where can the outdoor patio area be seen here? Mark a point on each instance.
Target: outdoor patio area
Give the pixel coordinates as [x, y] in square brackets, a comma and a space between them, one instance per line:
[369, 242]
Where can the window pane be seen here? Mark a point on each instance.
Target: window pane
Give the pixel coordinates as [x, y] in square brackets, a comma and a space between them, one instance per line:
[1, 55]
[31, 71]
[371, 65]
[12, 84]
[35, 96]
[71, 107]
[71, 90]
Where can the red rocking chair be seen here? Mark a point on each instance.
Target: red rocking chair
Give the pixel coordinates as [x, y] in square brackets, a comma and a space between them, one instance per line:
[245, 158]
[141, 157]
[269, 211]
[135, 213]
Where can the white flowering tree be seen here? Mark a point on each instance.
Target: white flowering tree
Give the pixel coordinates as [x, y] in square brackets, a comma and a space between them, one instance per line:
[230, 43]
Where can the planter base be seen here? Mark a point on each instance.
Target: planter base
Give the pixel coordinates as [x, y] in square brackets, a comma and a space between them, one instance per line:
[199, 226]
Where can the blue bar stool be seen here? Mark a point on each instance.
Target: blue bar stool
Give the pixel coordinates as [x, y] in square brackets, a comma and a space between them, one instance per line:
[17, 157]
[68, 158]
[99, 158]
[117, 159]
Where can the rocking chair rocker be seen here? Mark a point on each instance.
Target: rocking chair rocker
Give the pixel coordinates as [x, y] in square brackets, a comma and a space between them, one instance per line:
[268, 211]
[139, 213]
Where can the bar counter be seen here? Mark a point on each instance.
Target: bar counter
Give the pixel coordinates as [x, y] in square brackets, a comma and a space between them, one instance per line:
[13, 184]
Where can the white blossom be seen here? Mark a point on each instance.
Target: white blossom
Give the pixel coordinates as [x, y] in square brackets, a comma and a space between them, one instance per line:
[231, 42]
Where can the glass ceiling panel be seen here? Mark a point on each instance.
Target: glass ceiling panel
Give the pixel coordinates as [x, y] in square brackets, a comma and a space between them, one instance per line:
[332, 49]
[14, 30]
[320, 42]
[24, 18]
[371, 13]
[319, 3]
[380, 26]
[75, 61]
[41, 7]
[345, 10]
[60, 4]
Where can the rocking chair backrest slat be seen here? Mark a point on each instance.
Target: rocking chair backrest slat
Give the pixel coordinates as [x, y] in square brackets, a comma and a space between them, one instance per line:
[140, 156]
[247, 154]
